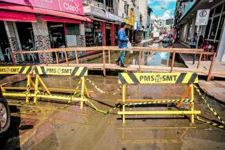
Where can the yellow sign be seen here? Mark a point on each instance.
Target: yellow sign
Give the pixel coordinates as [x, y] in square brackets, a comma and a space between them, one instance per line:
[158, 78]
[73, 71]
[126, 21]
[15, 70]
[131, 17]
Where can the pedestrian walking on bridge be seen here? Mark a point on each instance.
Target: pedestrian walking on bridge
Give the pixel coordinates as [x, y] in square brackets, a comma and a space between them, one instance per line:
[122, 43]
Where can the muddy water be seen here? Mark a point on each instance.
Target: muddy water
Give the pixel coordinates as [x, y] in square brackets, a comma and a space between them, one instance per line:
[72, 128]
[87, 129]
[129, 58]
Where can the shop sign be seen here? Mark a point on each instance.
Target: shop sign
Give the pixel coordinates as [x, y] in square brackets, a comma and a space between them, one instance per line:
[126, 21]
[202, 17]
[131, 17]
[95, 11]
[69, 6]
[113, 17]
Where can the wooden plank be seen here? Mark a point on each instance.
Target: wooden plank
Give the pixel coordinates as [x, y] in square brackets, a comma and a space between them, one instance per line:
[12, 58]
[211, 67]
[144, 49]
[45, 57]
[67, 62]
[77, 61]
[199, 61]
[172, 63]
[57, 58]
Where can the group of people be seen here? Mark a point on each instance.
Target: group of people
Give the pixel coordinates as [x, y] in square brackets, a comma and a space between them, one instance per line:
[202, 43]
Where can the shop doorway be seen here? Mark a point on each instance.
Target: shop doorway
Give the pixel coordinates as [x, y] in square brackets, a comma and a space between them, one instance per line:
[26, 39]
[97, 33]
[57, 35]
[108, 34]
[4, 44]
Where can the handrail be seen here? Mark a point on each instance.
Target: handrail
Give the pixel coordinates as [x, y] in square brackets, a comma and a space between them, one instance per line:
[115, 48]
[107, 49]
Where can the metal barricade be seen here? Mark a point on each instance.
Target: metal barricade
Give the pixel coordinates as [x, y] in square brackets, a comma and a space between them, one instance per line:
[159, 78]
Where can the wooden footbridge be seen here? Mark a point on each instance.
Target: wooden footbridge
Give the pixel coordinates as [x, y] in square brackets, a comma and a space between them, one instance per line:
[106, 59]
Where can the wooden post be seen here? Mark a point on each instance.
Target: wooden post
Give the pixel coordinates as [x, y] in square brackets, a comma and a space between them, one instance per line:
[13, 59]
[109, 56]
[211, 68]
[57, 59]
[67, 62]
[46, 60]
[104, 71]
[139, 61]
[172, 63]
[192, 118]
[77, 61]
[123, 97]
[199, 61]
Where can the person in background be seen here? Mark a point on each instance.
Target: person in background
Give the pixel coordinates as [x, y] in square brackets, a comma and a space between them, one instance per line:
[193, 45]
[122, 43]
[201, 42]
[194, 41]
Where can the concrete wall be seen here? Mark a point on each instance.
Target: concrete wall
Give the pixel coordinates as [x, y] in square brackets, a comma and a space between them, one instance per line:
[221, 49]
[80, 42]
[143, 11]
[42, 40]
[12, 34]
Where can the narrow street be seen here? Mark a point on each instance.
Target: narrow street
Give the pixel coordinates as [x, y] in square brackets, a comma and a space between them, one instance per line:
[60, 126]
[112, 74]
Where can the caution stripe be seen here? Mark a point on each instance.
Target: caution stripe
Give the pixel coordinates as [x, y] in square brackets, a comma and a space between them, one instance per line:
[158, 78]
[71, 71]
[15, 69]
[158, 102]
[209, 106]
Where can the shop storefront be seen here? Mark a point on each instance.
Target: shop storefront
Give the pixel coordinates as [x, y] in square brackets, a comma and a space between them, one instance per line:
[103, 32]
[213, 32]
[41, 26]
[4, 44]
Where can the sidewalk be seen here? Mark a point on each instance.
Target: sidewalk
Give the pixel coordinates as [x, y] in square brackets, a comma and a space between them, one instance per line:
[214, 88]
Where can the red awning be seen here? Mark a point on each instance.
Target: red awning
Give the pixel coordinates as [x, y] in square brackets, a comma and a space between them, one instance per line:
[16, 16]
[28, 9]
[57, 19]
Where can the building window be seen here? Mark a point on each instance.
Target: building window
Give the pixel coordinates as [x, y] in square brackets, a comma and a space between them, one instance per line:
[109, 3]
[211, 13]
[218, 9]
[214, 28]
[207, 29]
[72, 29]
[224, 7]
[220, 28]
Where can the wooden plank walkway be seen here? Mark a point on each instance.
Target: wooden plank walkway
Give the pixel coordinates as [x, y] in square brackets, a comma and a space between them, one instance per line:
[218, 68]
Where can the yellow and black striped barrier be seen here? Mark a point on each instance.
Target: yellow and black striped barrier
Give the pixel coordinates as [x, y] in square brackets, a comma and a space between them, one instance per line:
[158, 78]
[15, 69]
[71, 71]
[47, 70]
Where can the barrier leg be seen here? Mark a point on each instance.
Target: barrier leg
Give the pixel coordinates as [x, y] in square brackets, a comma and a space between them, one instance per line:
[28, 88]
[36, 90]
[3, 90]
[192, 104]
[86, 90]
[43, 84]
[82, 93]
[124, 96]
[187, 91]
